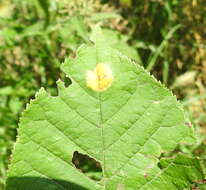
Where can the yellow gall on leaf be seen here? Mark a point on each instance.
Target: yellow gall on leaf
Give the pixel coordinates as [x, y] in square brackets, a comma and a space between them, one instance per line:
[100, 79]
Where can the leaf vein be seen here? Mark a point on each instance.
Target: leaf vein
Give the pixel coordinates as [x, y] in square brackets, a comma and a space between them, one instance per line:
[139, 151]
[95, 125]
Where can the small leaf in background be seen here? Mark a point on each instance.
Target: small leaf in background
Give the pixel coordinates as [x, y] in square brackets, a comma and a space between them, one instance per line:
[45, 4]
[123, 129]
[77, 23]
[127, 3]
[119, 41]
[15, 104]
[8, 35]
[7, 90]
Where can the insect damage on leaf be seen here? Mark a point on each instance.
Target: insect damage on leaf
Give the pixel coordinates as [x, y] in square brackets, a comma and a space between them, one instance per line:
[100, 79]
[140, 119]
[87, 165]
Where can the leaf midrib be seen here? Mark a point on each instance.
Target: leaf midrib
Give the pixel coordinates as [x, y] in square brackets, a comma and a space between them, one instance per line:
[101, 121]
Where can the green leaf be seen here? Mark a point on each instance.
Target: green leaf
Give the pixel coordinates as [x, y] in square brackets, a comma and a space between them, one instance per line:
[175, 173]
[7, 90]
[15, 104]
[115, 113]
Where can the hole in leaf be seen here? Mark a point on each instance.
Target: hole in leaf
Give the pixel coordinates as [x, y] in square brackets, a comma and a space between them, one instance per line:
[87, 165]
[67, 81]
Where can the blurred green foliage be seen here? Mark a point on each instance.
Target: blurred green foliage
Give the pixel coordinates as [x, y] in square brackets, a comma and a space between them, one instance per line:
[166, 37]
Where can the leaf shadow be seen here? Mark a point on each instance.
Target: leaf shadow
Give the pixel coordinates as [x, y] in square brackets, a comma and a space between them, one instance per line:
[40, 183]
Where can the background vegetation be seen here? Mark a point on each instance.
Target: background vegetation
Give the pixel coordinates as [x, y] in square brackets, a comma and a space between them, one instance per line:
[166, 37]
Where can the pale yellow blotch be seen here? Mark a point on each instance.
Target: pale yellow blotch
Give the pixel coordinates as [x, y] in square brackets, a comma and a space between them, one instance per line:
[100, 79]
